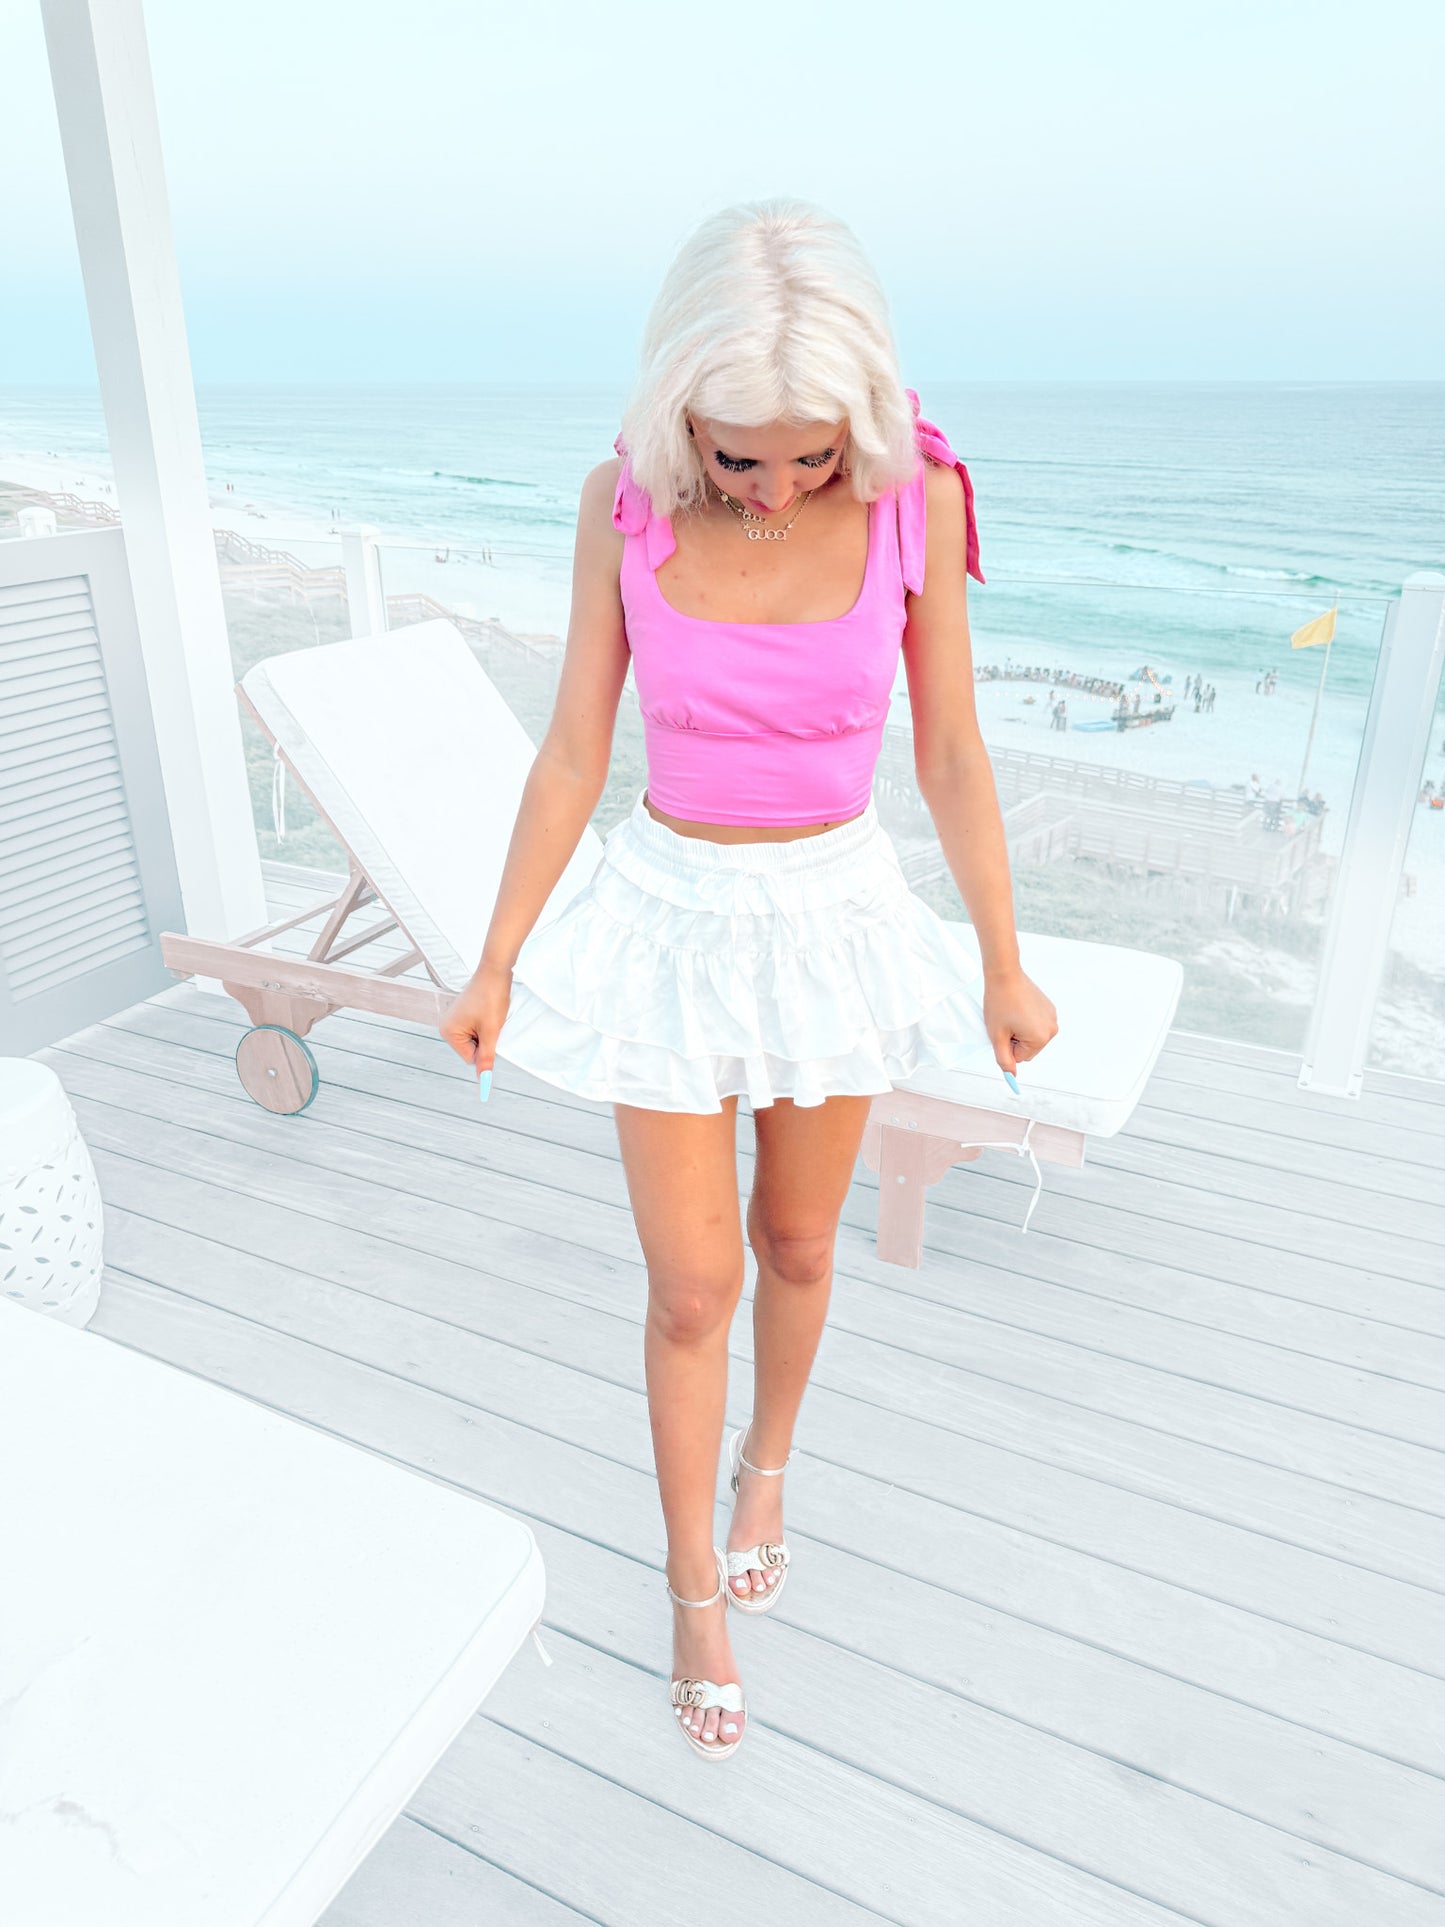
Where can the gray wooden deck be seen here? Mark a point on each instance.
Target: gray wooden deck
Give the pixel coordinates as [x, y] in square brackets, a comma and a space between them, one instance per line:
[1119, 1544]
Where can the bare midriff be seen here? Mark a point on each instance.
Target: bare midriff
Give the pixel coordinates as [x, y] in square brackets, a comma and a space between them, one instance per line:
[740, 832]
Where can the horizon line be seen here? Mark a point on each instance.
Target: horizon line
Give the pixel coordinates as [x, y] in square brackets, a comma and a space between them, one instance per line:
[92, 386]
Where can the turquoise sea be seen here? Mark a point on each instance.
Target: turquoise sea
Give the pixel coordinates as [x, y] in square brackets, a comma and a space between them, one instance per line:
[1191, 527]
[1319, 486]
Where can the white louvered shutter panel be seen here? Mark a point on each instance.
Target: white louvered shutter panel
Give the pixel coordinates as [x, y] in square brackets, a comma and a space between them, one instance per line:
[77, 932]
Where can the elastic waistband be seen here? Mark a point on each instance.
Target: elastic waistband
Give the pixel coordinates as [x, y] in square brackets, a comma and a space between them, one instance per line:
[818, 851]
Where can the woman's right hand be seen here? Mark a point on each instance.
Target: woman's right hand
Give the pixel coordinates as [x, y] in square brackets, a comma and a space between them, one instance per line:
[473, 1023]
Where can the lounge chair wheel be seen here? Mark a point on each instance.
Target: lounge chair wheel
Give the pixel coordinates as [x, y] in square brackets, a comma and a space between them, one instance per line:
[277, 1068]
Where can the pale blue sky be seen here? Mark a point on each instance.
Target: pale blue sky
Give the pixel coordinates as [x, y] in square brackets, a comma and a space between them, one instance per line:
[452, 191]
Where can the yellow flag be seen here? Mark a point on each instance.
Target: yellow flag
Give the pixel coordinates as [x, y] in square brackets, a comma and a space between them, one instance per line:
[1322, 629]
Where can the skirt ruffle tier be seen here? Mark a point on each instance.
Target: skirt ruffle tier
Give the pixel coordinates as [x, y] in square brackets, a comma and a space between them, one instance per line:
[686, 971]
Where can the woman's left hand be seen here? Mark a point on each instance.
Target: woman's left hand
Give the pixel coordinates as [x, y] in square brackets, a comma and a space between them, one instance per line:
[1019, 1017]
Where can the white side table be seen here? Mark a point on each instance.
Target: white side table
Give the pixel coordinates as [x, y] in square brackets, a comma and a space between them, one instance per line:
[50, 1212]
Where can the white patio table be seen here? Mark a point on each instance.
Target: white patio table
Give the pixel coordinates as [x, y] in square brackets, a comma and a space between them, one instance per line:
[231, 1645]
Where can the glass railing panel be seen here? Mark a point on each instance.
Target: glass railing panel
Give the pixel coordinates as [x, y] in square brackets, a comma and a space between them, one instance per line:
[511, 603]
[282, 593]
[1408, 1033]
[525, 587]
[1159, 782]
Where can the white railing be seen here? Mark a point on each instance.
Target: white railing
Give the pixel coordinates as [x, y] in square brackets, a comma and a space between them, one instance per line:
[365, 598]
[1377, 832]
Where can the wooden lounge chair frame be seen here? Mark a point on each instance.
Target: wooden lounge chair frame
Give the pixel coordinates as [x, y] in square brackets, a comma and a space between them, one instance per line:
[912, 1139]
[285, 996]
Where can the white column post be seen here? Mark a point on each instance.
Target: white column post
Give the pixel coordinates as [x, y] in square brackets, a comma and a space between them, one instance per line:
[100, 66]
[1382, 810]
[365, 598]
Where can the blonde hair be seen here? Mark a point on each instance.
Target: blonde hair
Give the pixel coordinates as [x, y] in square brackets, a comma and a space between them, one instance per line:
[770, 312]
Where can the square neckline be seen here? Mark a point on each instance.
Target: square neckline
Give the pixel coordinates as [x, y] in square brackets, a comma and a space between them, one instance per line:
[816, 622]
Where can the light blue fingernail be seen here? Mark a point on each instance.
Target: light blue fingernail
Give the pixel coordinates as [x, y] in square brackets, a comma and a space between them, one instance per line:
[484, 1086]
[1012, 1082]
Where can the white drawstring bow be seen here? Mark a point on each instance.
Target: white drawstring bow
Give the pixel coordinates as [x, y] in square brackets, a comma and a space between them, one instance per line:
[1020, 1146]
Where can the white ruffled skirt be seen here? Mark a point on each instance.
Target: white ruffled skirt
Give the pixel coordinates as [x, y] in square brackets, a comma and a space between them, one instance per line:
[686, 971]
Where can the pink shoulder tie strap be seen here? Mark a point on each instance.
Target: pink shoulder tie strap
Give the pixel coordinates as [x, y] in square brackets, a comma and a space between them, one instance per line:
[912, 513]
[632, 514]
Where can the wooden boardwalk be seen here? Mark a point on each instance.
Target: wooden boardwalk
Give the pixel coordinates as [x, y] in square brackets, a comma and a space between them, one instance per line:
[1120, 1553]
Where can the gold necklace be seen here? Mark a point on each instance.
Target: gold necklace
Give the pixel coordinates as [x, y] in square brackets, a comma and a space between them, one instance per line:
[759, 531]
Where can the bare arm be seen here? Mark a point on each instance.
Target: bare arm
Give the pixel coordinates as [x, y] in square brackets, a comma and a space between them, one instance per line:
[567, 777]
[955, 776]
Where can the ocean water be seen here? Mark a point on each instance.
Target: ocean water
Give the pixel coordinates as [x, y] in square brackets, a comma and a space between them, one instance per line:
[1317, 486]
[1189, 527]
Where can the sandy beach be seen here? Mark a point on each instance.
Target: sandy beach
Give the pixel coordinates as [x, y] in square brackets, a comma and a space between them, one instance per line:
[528, 599]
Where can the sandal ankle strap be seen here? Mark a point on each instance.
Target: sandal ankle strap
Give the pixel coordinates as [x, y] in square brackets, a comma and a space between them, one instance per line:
[721, 1592]
[768, 1471]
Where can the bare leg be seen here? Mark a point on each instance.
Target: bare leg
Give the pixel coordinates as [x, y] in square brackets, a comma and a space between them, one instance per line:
[681, 1172]
[805, 1162]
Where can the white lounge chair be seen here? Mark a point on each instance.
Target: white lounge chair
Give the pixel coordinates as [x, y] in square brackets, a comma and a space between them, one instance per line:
[412, 757]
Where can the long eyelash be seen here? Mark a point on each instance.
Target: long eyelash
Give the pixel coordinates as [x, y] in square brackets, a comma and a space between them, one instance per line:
[737, 465]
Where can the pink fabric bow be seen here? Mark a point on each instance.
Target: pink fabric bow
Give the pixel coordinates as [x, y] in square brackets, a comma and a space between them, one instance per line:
[632, 514]
[933, 443]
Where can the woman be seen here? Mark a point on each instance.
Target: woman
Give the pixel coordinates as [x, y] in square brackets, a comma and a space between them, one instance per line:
[778, 526]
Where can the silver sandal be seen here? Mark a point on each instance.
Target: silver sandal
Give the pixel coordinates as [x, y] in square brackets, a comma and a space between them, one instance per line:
[703, 1693]
[772, 1556]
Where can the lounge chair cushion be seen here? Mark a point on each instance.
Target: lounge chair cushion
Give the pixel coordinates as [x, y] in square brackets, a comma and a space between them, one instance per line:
[1115, 1007]
[419, 764]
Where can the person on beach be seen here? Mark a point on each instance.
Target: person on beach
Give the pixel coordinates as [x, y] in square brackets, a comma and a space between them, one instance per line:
[779, 526]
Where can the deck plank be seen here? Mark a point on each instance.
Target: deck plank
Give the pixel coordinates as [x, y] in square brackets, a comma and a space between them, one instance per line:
[983, 1209]
[975, 1213]
[425, 1102]
[1381, 1101]
[1240, 1758]
[1389, 1163]
[1086, 1564]
[431, 1121]
[1347, 1522]
[1286, 1064]
[1186, 1410]
[1296, 1131]
[1121, 1572]
[416, 1873]
[1153, 1201]
[845, 1758]
[1396, 1227]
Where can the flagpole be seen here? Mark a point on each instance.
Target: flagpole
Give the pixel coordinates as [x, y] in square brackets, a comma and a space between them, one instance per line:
[1314, 716]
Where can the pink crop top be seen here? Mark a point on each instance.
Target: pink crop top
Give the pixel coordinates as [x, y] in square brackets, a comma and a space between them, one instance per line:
[773, 722]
